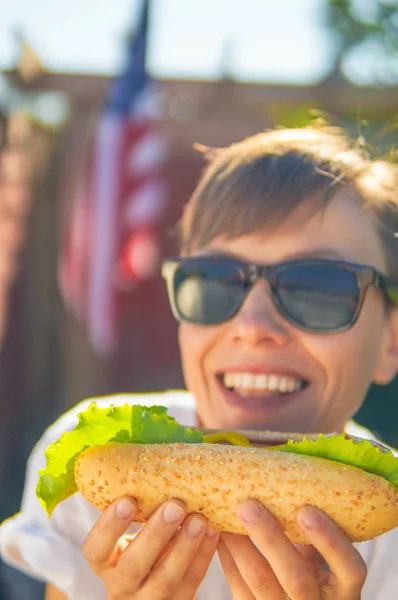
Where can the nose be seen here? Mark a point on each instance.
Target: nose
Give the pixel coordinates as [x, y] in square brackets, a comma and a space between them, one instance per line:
[258, 321]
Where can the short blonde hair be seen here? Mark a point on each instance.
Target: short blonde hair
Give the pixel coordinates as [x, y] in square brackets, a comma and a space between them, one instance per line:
[255, 184]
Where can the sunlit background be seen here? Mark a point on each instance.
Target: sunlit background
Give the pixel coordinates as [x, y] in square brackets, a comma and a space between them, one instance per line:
[190, 39]
[83, 310]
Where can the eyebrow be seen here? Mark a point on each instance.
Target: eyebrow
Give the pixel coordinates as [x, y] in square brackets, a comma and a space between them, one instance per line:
[320, 253]
[315, 253]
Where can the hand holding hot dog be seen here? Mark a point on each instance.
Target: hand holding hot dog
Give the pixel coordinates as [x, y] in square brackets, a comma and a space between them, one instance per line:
[167, 559]
[275, 569]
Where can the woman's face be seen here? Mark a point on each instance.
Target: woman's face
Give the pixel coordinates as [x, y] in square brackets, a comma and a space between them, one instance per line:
[335, 370]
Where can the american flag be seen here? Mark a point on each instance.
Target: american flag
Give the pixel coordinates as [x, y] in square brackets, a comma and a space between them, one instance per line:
[112, 240]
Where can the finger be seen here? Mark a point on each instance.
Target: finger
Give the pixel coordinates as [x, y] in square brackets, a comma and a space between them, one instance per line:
[139, 557]
[165, 549]
[294, 574]
[238, 587]
[165, 578]
[344, 561]
[253, 567]
[197, 570]
[318, 564]
[122, 544]
[100, 544]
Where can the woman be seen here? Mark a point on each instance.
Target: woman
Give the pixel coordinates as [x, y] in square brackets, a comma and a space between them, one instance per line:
[293, 317]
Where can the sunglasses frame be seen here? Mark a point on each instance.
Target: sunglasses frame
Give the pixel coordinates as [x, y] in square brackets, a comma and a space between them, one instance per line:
[249, 273]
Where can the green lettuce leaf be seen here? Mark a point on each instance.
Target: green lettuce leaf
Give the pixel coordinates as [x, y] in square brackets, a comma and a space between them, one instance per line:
[344, 450]
[97, 426]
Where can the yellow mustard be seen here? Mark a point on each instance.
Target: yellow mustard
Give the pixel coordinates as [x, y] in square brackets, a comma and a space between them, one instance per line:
[236, 439]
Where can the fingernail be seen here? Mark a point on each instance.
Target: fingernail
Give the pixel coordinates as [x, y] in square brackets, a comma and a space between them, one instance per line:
[173, 512]
[250, 511]
[125, 508]
[310, 518]
[195, 527]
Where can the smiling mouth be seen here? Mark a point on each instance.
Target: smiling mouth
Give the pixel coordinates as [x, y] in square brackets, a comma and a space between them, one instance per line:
[248, 385]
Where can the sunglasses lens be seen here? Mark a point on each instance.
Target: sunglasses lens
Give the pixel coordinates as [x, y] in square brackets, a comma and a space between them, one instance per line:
[319, 297]
[207, 291]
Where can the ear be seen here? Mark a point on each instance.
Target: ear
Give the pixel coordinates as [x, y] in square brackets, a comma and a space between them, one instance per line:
[387, 367]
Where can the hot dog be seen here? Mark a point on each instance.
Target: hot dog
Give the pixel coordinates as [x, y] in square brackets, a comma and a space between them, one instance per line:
[142, 452]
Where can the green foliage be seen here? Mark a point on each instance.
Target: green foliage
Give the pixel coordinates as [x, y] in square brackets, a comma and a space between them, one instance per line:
[373, 23]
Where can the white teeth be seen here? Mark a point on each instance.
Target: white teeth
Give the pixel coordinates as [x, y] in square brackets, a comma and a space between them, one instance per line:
[274, 382]
[248, 382]
[261, 382]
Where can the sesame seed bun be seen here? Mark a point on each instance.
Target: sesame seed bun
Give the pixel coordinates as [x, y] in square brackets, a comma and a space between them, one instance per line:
[213, 479]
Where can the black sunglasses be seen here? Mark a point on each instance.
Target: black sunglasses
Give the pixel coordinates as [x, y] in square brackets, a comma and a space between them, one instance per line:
[317, 295]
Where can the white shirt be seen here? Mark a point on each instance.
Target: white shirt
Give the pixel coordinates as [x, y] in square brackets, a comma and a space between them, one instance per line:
[50, 549]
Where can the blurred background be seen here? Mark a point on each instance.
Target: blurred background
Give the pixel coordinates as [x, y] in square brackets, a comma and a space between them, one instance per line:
[100, 105]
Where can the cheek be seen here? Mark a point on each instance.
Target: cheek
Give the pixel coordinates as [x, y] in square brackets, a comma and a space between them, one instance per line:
[348, 359]
[195, 344]
[185, 342]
